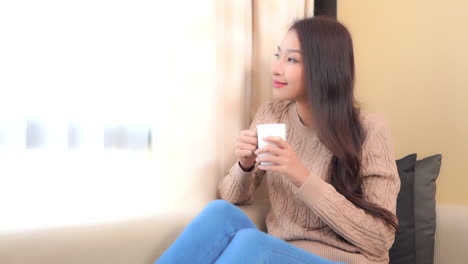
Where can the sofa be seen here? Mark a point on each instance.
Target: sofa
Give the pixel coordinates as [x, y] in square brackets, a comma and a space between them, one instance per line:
[141, 241]
[451, 238]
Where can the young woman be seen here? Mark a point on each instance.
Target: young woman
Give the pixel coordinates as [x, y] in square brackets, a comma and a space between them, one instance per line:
[334, 182]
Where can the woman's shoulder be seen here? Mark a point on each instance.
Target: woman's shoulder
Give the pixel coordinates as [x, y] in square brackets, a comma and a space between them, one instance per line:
[372, 121]
[378, 153]
[376, 127]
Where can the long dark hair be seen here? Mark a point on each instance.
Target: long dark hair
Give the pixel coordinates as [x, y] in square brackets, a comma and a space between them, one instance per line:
[327, 51]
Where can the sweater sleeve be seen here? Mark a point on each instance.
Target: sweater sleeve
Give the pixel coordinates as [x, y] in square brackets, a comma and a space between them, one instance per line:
[380, 186]
[238, 186]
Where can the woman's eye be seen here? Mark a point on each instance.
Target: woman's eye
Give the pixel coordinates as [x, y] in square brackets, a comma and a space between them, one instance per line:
[292, 60]
[276, 55]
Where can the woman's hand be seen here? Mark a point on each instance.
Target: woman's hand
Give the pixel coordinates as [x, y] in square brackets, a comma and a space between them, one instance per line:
[246, 144]
[284, 159]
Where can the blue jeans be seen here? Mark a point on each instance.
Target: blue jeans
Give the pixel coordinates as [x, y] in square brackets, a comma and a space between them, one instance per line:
[222, 233]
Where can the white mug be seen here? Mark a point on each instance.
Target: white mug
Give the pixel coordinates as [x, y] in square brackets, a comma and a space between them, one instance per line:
[267, 130]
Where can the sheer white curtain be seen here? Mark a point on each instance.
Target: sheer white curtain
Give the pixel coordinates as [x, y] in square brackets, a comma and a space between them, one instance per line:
[100, 103]
[247, 37]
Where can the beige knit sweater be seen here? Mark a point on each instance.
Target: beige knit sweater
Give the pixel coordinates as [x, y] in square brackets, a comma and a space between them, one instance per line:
[315, 217]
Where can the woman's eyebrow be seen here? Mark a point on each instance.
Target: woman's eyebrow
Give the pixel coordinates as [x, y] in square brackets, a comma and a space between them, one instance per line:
[291, 50]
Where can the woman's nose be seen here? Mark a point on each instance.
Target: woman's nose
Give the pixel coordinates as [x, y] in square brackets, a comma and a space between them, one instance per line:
[276, 68]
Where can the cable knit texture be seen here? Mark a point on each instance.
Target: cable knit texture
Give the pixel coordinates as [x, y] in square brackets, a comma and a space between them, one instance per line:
[314, 216]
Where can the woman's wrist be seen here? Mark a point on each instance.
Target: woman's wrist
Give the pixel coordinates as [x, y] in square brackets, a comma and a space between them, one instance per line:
[246, 169]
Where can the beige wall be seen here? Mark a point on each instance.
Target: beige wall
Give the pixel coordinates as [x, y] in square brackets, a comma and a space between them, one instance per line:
[412, 66]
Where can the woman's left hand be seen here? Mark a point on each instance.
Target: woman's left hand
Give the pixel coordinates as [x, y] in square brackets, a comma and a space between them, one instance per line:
[284, 159]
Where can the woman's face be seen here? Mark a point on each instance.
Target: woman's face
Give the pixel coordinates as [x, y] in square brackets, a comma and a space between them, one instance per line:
[287, 70]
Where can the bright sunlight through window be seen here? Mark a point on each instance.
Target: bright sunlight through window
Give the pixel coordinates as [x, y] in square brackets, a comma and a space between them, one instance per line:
[96, 102]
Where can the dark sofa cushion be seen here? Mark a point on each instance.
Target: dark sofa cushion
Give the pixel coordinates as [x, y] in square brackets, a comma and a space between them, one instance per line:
[403, 249]
[427, 171]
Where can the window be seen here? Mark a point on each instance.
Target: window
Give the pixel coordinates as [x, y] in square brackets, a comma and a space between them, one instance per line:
[98, 102]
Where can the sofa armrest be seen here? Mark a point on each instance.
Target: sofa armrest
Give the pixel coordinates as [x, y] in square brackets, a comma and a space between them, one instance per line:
[451, 237]
[136, 241]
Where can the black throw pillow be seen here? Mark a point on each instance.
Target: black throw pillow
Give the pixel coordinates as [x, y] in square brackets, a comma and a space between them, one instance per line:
[427, 171]
[403, 250]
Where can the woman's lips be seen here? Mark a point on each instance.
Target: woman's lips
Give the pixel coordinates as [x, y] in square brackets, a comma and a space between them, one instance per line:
[278, 84]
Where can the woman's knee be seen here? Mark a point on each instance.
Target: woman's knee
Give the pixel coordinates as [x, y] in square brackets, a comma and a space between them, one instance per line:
[221, 210]
[219, 205]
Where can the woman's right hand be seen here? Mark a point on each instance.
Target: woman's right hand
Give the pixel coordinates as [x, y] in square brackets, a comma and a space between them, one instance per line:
[246, 144]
